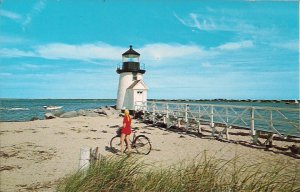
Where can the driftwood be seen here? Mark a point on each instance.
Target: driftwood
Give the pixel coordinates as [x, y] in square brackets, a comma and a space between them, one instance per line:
[95, 155]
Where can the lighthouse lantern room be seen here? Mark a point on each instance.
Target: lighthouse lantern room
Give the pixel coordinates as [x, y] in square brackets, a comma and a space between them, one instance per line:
[132, 89]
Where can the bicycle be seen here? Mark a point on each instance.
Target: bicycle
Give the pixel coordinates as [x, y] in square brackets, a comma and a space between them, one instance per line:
[140, 143]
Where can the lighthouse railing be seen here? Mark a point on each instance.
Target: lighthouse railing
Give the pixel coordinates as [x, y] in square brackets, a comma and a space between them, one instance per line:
[274, 120]
[140, 106]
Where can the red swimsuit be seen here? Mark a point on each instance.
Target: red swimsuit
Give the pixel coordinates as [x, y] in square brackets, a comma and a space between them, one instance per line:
[126, 130]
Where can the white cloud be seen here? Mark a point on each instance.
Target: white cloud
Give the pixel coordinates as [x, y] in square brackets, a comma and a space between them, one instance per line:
[28, 66]
[102, 51]
[84, 52]
[16, 53]
[36, 9]
[235, 45]
[206, 64]
[79, 52]
[160, 51]
[12, 40]
[157, 53]
[89, 52]
[204, 23]
[214, 66]
[10, 15]
[5, 74]
[290, 45]
[224, 23]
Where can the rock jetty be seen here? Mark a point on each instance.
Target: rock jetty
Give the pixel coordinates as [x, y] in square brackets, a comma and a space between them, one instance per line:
[108, 111]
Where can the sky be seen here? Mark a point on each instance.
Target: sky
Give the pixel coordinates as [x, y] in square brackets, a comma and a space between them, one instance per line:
[191, 49]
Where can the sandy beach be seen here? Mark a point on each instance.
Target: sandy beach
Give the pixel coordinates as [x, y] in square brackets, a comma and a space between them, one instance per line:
[35, 155]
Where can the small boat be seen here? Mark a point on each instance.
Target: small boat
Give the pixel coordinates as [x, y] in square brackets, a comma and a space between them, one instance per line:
[17, 109]
[51, 107]
[292, 102]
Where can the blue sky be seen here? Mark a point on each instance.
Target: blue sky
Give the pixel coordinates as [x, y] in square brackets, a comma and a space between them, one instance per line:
[191, 49]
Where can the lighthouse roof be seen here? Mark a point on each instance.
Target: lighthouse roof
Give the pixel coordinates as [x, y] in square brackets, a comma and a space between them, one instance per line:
[138, 84]
[130, 52]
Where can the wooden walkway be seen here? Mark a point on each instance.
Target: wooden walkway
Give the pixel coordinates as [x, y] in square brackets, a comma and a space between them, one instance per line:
[283, 122]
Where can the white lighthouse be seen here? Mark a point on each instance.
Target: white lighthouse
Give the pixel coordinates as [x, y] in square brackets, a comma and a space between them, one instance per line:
[132, 89]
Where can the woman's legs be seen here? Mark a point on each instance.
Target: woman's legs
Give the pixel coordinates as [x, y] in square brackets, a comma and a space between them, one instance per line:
[123, 136]
[127, 142]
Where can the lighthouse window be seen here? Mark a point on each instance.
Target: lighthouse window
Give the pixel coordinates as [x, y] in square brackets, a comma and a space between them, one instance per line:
[139, 92]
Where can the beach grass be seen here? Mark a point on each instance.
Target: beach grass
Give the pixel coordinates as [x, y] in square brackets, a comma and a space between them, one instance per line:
[200, 174]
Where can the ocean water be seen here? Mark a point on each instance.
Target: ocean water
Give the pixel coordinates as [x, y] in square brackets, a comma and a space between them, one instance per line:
[25, 109]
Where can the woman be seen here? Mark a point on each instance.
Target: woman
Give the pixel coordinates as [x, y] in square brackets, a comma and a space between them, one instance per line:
[126, 131]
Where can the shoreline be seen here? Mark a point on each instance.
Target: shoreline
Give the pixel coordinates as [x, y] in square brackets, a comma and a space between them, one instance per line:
[20, 111]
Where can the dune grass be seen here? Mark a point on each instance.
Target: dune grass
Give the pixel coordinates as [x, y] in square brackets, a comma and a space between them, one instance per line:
[199, 174]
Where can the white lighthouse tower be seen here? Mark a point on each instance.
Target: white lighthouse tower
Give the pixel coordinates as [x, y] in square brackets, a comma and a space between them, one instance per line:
[132, 89]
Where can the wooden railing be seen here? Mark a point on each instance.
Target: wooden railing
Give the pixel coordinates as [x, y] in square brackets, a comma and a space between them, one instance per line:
[280, 121]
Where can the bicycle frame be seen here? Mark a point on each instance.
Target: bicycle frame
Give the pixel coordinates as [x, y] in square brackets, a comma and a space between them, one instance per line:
[132, 140]
[133, 137]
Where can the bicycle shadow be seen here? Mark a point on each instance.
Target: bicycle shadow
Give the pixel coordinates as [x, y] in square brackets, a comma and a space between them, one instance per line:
[111, 149]
[118, 151]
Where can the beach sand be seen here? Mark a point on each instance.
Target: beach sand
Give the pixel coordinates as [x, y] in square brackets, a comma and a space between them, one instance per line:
[35, 155]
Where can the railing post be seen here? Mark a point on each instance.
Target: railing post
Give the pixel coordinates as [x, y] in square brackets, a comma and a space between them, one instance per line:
[252, 127]
[144, 110]
[167, 108]
[186, 116]
[269, 141]
[153, 113]
[199, 111]
[212, 125]
[212, 116]
[166, 118]
[271, 119]
[199, 127]
[227, 134]
[144, 106]
[186, 113]
[227, 119]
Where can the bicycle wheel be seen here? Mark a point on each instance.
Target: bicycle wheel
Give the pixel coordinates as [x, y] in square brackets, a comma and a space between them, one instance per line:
[142, 144]
[115, 144]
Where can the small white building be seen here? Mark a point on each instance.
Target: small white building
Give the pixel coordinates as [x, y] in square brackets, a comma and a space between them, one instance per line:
[132, 89]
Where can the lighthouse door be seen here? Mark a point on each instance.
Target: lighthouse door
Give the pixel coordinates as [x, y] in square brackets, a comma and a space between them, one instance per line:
[139, 96]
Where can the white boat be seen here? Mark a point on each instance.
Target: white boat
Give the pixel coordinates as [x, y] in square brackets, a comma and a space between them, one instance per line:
[51, 107]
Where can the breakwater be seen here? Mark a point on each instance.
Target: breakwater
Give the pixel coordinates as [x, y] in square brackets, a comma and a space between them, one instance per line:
[27, 109]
